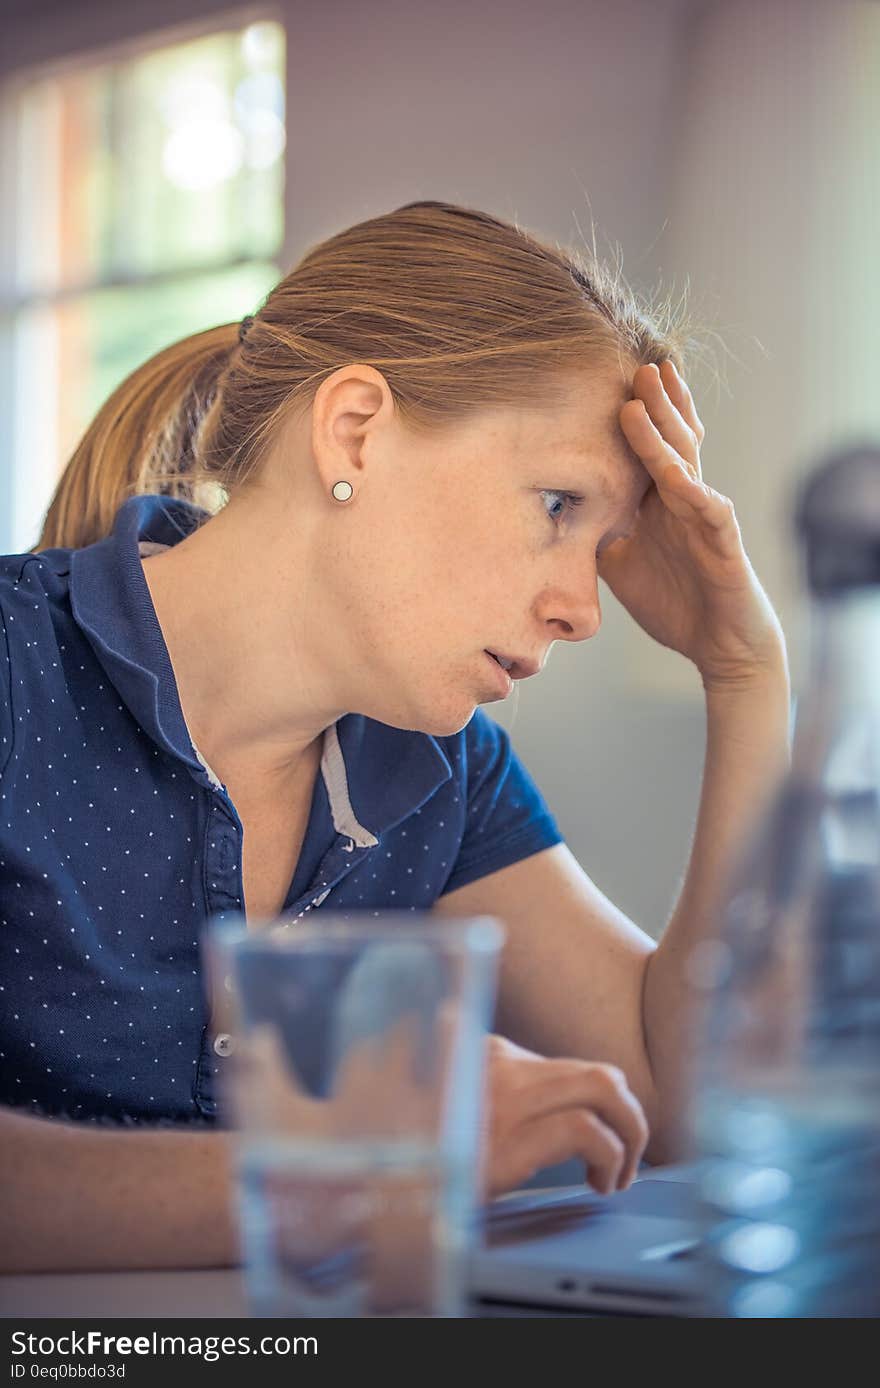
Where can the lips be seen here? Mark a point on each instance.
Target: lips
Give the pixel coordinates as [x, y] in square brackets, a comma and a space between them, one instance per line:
[502, 676]
[502, 660]
[519, 668]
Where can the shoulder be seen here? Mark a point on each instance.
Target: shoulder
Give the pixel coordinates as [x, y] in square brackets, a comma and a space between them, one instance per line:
[30, 583]
[29, 579]
[33, 591]
[12, 614]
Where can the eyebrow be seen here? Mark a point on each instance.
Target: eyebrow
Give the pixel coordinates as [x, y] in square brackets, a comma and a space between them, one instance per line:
[603, 486]
[597, 476]
[609, 493]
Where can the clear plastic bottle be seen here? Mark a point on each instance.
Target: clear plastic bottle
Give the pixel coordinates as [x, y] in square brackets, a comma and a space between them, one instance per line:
[786, 1113]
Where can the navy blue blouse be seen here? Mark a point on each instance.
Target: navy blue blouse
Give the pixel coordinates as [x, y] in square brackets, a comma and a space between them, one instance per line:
[117, 841]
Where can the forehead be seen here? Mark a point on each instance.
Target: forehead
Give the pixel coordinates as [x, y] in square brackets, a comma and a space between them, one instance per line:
[582, 435]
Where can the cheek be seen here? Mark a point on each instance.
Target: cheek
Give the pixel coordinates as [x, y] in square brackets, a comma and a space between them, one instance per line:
[446, 573]
[401, 597]
[449, 557]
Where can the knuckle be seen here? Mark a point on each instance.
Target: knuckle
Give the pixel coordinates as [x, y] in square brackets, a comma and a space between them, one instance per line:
[504, 1055]
[613, 1077]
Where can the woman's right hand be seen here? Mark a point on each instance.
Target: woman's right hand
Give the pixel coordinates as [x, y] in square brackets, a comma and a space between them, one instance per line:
[540, 1111]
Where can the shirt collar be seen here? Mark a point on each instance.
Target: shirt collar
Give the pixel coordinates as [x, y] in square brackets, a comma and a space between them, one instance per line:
[376, 775]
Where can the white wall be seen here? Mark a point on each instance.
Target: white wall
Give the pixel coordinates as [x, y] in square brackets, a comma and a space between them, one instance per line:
[729, 146]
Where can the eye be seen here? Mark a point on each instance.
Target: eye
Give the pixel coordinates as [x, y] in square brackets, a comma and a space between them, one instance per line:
[569, 501]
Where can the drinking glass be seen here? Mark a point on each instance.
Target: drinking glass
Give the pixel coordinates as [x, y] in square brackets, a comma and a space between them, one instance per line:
[353, 1081]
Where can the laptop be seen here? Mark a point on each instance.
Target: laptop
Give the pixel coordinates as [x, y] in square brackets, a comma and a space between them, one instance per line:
[569, 1247]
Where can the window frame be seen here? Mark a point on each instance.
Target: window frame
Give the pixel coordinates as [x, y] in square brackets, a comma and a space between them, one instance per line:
[148, 36]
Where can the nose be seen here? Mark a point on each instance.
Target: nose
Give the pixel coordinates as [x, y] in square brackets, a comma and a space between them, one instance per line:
[574, 612]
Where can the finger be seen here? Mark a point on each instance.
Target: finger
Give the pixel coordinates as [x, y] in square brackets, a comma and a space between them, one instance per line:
[649, 387]
[603, 1152]
[684, 494]
[679, 393]
[559, 1137]
[661, 461]
[605, 1172]
[666, 385]
[713, 509]
[576, 1084]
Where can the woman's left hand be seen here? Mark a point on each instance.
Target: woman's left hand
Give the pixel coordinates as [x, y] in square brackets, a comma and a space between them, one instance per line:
[683, 573]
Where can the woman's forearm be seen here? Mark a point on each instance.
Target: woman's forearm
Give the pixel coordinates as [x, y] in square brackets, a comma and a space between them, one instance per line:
[78, 1197]
[747, 749]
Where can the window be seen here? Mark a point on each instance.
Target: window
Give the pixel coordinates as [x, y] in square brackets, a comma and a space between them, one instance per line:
[148, 204]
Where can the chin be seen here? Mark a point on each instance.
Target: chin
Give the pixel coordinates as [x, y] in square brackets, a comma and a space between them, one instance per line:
[436, 726]
[451, 727]
[433, 719]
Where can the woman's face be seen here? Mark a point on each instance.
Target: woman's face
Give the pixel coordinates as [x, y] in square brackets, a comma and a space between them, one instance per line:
[481, 537]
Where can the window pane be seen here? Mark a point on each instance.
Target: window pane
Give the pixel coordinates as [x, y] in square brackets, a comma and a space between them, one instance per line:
[71, 356]
[169, 160]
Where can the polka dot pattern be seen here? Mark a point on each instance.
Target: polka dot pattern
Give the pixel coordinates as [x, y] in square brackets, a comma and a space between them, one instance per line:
[117, 841]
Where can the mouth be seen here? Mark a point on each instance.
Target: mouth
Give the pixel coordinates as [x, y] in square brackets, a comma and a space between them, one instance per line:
[503, 678]
[502, 660]
[516, 668]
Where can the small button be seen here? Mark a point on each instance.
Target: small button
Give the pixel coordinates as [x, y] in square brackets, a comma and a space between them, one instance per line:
[223, 1043]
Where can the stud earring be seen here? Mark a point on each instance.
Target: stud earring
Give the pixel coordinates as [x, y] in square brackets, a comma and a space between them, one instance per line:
[343, 491]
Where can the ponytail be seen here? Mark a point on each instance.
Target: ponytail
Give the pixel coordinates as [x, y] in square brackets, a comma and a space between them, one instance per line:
[141, 440]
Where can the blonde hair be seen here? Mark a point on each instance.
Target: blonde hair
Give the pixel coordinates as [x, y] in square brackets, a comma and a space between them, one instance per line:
[459, 310]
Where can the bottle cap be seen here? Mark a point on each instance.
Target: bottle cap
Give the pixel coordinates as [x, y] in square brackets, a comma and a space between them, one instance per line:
[837, 517]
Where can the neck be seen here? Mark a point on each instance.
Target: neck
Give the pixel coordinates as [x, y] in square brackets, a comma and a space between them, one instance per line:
[240, 629]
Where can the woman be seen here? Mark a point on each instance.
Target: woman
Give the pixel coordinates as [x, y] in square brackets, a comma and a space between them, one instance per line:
[431, 441]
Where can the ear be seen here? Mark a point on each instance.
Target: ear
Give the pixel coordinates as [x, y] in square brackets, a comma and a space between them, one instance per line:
[351, 408]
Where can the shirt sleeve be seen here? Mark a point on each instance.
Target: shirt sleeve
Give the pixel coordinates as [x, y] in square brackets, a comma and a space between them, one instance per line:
[507, 818]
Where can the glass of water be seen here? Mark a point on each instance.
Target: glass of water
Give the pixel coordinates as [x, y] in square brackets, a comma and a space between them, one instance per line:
[354, 1082]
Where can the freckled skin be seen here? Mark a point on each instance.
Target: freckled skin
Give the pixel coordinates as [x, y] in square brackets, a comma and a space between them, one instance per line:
[290, 609]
